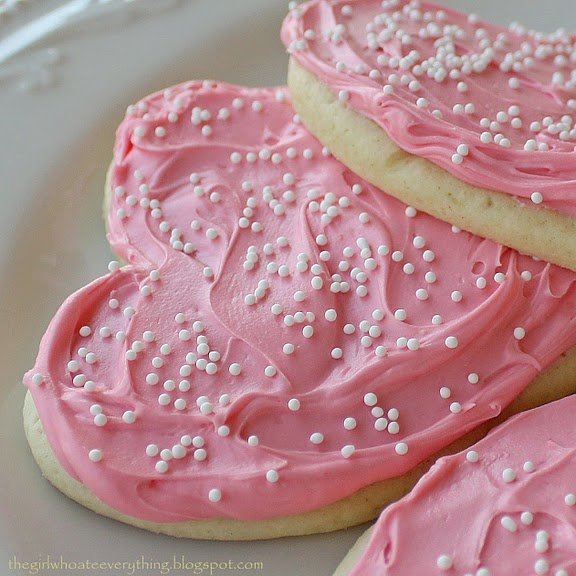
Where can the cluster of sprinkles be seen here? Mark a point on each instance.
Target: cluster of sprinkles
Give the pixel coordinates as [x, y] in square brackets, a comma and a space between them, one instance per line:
[308, 258]
[504, 88]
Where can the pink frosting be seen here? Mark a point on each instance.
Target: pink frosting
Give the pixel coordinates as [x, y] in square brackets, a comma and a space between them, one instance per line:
[467, 516]
[260, 259]
[441, 83]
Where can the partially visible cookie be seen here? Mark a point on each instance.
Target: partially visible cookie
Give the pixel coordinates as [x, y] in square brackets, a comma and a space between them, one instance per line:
[506, 506]
[466, 120]
[289, 348]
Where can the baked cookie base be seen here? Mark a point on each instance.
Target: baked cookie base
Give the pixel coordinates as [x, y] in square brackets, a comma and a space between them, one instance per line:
[555, 382]
[365, 148]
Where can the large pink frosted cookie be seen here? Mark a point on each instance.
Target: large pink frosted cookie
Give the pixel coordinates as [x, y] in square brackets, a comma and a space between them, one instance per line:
[469, 121]
[507, 506]
[285, 335]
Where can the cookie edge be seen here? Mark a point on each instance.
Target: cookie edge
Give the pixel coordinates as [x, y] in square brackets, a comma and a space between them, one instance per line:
[366, 149]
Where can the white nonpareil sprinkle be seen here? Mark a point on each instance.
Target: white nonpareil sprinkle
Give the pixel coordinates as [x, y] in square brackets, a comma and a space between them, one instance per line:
[541, 566]
[401, 448]
[95, 455]
[348, 450]
[316, 438]
[129, 417]
[526, 518]
[444, 562]
[294, 404]
[508, 475]
[272, 476]
[350, 423]
[472, 456]
[451, 342]
[508, 523]
[570, 499]
[519, 333]
[214, 495]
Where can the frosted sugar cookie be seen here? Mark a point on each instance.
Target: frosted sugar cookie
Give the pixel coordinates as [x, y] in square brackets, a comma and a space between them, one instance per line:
[466, 120]
[288, 347]
[506, 506]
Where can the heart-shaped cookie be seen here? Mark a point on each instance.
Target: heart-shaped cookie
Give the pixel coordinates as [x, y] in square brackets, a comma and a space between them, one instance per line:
[287, 344]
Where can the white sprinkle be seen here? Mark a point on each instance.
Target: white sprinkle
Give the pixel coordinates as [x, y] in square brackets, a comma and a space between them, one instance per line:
[348, 450]
[508, 475]
[214, 495]
[526, 518]
[519, 333]
[85, 331]
[152, 450]
[428, 256]
[37, 379]
[294, 404]
[451, 342]
[400, 314]
[422, 294]
[308, 331]
[455, 407]
[444, 562]
[95, 455]
[330, 315]
[456, 296]
[200, 454]
[343, 95]
[288, 348]
[401, 448]
[272, 476]
[570, 499]
[129, 417]
[349, 423]
[541, 566]
[235, 369]
[413, 344]
[528, 466]
[462, 149]
[336, 353]
[223, 431]
[253, 441]
[317, 438]
[100, 419]
[370, 399]
[161, 466]
[180, 404]
[472, 456]
[508, 523]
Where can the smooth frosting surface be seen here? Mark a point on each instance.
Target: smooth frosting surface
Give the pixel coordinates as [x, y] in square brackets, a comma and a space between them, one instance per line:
[495, 107]
[505, 507]
[285, 333]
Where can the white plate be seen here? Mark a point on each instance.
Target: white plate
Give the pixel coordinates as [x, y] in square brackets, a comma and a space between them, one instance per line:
[62, 93]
